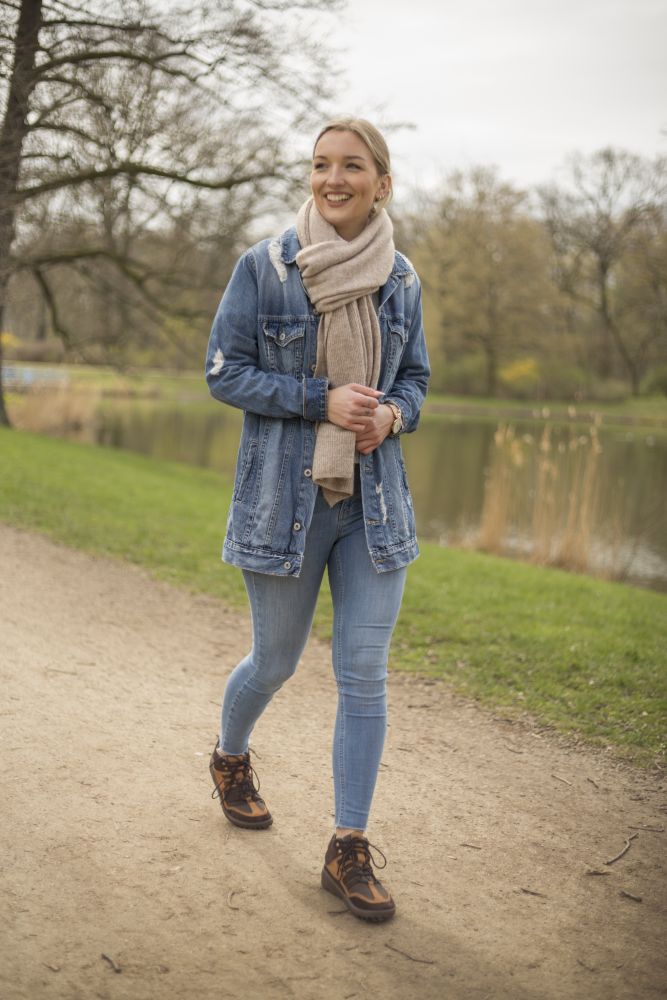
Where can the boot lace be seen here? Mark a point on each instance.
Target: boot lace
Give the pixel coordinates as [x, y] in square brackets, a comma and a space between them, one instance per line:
[237, 779]
[356, 859]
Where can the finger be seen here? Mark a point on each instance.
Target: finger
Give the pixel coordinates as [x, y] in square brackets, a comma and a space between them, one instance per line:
[364, 409]
[366, 390]
[367, 406]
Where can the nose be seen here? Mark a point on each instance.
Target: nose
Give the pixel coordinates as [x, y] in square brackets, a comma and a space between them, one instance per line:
[335, 174]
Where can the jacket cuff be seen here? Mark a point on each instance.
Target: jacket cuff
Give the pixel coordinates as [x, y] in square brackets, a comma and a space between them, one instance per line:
[400, 404]
[315, 399]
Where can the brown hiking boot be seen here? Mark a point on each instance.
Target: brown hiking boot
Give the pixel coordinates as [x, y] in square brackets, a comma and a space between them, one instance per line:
[234, 780]
[347, 873]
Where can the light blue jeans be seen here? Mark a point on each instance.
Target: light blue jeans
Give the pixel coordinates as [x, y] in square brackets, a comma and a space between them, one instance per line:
[366, 606]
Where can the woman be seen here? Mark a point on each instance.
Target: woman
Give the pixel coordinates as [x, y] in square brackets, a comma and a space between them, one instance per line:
[319, 339]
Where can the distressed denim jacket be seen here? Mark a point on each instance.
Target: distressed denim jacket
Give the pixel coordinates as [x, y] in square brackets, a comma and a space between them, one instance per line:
[261, 358]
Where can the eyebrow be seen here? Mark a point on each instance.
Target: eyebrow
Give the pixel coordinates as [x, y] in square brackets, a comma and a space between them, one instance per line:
[348, 156]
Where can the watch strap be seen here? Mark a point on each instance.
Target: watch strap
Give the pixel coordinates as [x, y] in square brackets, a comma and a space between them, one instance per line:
[397, 425]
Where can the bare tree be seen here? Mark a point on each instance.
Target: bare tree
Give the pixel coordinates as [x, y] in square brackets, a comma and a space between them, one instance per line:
[482, 258]
[137, 110]
[612, 214]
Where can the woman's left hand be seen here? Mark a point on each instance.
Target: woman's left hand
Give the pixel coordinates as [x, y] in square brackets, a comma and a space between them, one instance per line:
[377, 430]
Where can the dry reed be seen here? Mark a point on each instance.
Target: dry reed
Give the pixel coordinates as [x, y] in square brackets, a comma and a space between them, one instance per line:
[61, 410]
[552, 488]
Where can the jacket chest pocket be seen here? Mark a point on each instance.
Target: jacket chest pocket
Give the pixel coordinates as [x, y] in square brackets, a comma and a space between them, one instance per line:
[284, 342]
[394, 340]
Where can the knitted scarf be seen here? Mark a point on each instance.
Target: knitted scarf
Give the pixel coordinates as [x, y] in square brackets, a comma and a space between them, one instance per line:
[340, 278]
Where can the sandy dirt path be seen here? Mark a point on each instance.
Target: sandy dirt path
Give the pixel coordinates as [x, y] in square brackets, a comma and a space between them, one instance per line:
[111, 844]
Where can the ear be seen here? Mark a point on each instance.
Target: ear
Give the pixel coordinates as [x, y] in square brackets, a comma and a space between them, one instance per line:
[385, 187]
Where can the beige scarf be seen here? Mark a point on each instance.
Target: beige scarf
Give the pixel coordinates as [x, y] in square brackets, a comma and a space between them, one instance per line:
[340, 278]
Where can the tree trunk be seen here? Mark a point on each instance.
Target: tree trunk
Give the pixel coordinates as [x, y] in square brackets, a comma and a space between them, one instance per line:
[4, 416]
[491, 340]
[12, 136]
[612, 331]
[491, 369]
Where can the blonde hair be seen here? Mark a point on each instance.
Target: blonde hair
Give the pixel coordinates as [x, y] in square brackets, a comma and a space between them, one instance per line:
[373, 139]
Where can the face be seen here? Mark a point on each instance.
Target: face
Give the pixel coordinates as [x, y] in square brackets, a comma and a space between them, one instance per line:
[345, 182]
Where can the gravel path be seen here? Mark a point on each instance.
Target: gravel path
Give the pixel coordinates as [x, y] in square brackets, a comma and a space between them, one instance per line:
[111, 845]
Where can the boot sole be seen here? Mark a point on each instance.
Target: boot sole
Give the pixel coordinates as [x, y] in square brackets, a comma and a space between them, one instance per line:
[329, 883]
[263, 824]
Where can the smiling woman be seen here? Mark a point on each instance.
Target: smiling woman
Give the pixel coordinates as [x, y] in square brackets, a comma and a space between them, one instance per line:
[319, 339]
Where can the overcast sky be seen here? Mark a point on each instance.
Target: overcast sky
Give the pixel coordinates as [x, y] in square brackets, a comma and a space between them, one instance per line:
[518, 83]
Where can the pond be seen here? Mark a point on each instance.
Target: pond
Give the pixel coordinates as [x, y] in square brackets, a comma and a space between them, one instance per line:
[586, 498]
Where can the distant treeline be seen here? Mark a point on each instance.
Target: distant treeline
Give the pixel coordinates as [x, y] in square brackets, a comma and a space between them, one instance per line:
[558, 293]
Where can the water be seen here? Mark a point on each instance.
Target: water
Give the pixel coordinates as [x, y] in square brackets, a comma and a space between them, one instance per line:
[623, 531]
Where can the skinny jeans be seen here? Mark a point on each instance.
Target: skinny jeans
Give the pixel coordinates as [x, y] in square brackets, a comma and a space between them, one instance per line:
[366, 606]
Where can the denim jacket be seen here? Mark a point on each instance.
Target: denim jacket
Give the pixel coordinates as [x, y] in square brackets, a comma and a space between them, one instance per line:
[261, 358]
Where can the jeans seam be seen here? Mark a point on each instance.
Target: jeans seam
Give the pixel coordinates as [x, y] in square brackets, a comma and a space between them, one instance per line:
[340, 749]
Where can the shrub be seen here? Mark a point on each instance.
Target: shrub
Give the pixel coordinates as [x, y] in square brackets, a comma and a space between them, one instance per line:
[49, 351]
[655, 381]
[608, 390]
[466, 376]
[520, 379]
[560, 380]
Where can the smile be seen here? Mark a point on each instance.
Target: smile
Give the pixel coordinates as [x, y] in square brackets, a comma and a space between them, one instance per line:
[337, 198]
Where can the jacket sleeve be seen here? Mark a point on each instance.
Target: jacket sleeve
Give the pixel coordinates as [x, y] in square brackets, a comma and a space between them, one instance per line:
[232, 361]
[411, 382]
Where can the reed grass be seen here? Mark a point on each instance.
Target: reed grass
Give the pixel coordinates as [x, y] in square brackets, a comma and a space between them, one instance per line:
[62, 410]
[556, 488]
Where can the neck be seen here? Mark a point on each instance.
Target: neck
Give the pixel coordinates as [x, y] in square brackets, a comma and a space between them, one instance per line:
[350, 232]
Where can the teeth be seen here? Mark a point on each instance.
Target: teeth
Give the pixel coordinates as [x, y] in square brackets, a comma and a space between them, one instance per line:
[338, 197]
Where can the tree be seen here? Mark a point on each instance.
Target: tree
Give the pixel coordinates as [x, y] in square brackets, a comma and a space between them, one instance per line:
[483, 261]
[608, 236]
[131, 115]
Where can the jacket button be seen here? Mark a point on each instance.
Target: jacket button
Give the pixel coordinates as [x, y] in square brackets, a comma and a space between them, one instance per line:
[296, 526]
[281, 337]
[312, 368]
[287, 565]
[308, 473]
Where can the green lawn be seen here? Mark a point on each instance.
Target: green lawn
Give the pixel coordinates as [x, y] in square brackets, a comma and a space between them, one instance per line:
[580, 654]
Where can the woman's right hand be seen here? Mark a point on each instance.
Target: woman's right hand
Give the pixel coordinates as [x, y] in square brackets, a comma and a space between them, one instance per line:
[351, 406]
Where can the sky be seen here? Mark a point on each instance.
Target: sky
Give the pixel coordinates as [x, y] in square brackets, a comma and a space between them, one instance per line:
[516, 83]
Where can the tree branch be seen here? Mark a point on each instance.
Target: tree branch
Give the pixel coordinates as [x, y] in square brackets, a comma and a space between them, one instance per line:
[125, 55]
[128, 266]
[130, 169]
[52, 307]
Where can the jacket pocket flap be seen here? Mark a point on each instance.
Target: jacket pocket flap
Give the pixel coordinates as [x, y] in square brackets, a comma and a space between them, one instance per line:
[283, 333]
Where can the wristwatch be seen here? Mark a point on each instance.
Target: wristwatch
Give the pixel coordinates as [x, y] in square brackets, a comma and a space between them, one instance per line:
[397, 425]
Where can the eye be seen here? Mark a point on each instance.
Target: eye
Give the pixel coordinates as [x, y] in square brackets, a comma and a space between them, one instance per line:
[319, 166]
[354, 166]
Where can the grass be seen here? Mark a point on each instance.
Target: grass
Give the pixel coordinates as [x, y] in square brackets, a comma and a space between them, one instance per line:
[582, 655]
